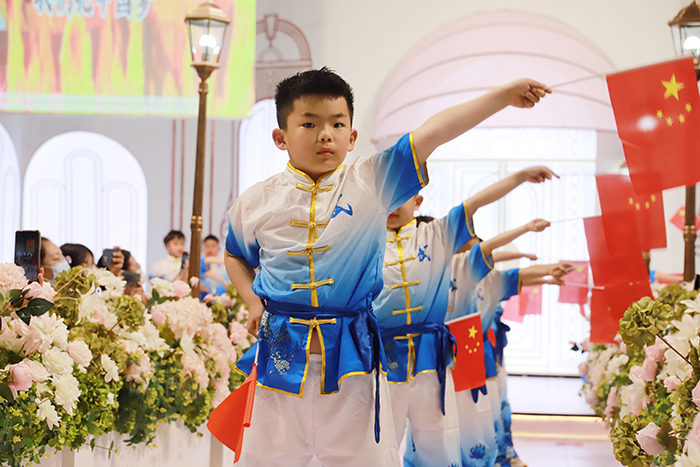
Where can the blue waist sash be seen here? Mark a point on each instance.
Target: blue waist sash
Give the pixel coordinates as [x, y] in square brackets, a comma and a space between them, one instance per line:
[364, 347]
[446, 348]
[501, 340]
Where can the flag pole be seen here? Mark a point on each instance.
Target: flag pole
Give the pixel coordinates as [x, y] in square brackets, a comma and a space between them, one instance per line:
[689, 235]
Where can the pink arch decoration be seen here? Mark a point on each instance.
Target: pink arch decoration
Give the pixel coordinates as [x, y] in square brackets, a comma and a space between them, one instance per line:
[468, 57]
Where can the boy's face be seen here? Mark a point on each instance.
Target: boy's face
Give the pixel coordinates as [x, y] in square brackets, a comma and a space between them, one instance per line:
[211, 248]
[404, 214]
[176, 247]
[318, 134]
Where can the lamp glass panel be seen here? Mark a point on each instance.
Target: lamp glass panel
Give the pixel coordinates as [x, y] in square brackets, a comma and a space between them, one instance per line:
[206, 39]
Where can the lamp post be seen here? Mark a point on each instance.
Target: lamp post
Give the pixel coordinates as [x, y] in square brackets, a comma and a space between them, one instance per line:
[207, 26]
[685, 29]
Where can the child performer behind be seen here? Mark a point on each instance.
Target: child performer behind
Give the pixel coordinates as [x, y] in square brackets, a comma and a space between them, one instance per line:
[411, 313]
[316, 235]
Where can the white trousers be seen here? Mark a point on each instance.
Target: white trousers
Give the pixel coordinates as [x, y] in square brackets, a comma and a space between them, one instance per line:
[338, 429]
[476, 430]
[435, 436]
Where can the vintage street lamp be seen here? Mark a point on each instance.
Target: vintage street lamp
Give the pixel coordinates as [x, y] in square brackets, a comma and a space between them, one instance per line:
[207, 26]
[685, 29]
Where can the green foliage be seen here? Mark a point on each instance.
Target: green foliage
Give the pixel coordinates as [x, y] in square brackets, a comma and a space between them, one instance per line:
[129, 310]
[625, 447]
[70, 286]
[642, 321]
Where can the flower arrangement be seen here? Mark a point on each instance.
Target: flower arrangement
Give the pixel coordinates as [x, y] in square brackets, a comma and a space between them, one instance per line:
[81, 359]
[646, 387]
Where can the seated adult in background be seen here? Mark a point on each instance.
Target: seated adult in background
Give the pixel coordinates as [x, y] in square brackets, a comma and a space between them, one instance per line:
[52, 259]
[172, 267]
[78, 255]
[213, 273]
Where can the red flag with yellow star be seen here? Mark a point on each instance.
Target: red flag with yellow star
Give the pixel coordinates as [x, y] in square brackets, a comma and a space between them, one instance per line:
[511, 310]
[609, 305]
[575, 293]
[469, 371]
[630, 221]
[531, 300]
[657, 112]
[608, 269]
[678, 219]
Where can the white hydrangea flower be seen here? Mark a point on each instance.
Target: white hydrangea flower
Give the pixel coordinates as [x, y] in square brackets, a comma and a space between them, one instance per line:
[616, 363]
[57, 362]
[111, 369]
[164, 288]
[67, 392]
[690, 459]
[114, 286]
[46, 411]
[147, 337]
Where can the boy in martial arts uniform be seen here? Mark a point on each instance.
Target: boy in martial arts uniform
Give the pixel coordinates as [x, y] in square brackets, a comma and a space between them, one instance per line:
[411, 312]
[316, 235]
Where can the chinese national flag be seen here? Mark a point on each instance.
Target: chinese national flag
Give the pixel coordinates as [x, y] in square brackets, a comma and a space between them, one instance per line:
[630, 221]
[511, 310]
[657, 113]
[531, 300]
[469, 371]
[228, 421]
[609, 269]
[678, 219]
[572, 293]
[609, 305]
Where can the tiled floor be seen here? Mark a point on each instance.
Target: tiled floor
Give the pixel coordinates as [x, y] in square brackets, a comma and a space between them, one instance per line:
[562, 441]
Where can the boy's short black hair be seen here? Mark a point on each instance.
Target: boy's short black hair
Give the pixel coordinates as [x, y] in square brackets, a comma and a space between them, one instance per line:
[422, 219]
[172, 235]
[211, 237]
[323, 82]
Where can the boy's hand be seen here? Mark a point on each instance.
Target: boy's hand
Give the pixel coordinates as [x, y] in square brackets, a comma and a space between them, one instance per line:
[537, 174]
[525, 93]
[553, 281]
[254, 317]
[561, 269]
[537, 225]
[530, 256]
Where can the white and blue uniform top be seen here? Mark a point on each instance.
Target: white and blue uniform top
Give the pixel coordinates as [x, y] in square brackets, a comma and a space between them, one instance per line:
[468, 269]
[319, 250]
[416, 277]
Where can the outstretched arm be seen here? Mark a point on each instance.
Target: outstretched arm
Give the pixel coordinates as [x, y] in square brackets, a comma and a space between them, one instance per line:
[242, 276]
[543, 280]
[452, 122]
[499, 256]
[501, 188]
[531, 274]
[487, 246]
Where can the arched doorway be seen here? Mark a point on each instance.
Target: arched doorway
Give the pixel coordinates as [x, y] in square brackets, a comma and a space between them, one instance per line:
[83, 187]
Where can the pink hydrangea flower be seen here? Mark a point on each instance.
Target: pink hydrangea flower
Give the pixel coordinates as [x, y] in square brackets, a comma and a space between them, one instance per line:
[157, 316]
[208, 297]
[37, 291]
[613, 399]
[636, 370]
[656, 351]
[582, 368]
[21, 378]
[696, 394]
[646, 438]
[237, 331]
[227, 301]
[635, 407]
[672, 383]
[181, 289]
[591, 398]
[649, 369]
[11, 277]
[694, 435]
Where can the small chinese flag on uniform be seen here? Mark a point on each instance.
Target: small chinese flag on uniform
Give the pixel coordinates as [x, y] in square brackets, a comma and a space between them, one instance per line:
[469, 371]
[678, 219]
[657, 113]
[575, 293]
[228, 421]
[609, 305]
[531, 300]
[630, 221]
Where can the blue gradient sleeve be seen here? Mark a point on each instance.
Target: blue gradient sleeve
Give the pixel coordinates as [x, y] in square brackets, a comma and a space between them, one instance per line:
[459, 226]
[478, 264]
[511, 283]
[397, 173]
[236, 242]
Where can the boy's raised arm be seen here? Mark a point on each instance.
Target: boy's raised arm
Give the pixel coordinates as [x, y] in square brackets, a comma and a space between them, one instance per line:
[487, 246]
[499, 256]
[498, 190]
[452, 122]
[242, 276]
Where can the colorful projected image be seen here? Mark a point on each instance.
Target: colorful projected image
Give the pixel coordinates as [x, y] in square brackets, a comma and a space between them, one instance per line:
[126, 57]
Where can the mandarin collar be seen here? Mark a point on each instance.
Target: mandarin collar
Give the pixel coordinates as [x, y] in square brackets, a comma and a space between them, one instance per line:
[327, 179]
[408, 229]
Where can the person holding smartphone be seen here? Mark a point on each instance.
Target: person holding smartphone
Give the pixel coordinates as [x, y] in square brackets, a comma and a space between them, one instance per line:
[176, 264]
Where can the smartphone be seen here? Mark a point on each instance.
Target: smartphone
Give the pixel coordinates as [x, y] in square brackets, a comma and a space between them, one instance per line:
[131, 278]
[185, 255]
[27, 252]
[107, 255]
